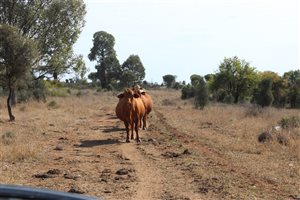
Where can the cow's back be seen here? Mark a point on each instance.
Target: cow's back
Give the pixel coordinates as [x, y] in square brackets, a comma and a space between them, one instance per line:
[139, 108]
[148, 103]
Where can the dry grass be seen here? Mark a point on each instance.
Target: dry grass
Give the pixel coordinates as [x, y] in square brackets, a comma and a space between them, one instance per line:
[39, 121]
[228, 132]
[233, 130]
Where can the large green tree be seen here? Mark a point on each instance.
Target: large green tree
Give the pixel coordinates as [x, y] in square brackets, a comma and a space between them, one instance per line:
[54, 25]
[236, 78]
[17, 54]
[133, 71]
[263, 95]
[169, 80]
[293, 80]
[103, 52]
[279, 88]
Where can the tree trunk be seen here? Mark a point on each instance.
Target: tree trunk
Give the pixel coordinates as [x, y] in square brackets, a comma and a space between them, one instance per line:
[55, 75]
[13, 98]
[11, 117]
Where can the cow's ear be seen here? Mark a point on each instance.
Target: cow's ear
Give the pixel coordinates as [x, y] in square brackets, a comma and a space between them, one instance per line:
[120, 95]
[136, 95]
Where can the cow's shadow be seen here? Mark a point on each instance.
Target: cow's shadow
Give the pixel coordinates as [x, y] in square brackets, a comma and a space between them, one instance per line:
[92, 143]
[111, 129]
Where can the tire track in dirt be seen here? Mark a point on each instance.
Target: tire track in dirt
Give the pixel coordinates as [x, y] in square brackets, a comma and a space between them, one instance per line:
[150, 178]
[216, 157]
[157, 176]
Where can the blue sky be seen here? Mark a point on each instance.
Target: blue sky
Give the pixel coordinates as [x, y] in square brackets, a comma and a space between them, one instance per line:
[185, 37]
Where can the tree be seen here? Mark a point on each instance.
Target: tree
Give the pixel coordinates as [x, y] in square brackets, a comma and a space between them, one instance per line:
[104, 53]
[279, 88]
[263, 96]
[201, 94]
[79, 67]
[93, 77]
[293, 80]
[17, 54]
[236, 78]
[195, 79]
[54, 26]
[169, 80]
[133, 71]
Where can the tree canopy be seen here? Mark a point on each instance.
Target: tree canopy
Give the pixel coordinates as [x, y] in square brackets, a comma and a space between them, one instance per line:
[236, 78]
[108, 66]
[54, 26]
[169, 80]
[133, 71]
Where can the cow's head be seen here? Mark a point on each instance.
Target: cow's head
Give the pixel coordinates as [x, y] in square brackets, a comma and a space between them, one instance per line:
[139, 90]
[129, 93]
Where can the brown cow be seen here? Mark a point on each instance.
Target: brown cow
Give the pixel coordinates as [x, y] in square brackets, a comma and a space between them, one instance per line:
[147, 101]
[130, 110]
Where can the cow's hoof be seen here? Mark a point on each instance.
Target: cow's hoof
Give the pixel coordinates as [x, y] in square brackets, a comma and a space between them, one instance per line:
[138, 140]
[128, 141]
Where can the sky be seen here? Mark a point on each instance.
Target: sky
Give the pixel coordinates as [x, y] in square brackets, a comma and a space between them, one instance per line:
[185, 37]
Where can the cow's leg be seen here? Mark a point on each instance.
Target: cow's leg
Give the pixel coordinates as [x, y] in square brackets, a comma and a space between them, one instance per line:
[127, 131]
[137, 131]
[140, 123]
[145, 122]
[132, 127]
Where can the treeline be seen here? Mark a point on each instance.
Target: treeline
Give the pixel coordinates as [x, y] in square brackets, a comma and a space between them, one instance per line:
[237, 82]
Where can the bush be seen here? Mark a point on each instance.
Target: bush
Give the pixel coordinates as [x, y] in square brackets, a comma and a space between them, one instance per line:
[228, 99]
[8, 138]
[53, 104]
[254, 111]
[58, 92]
[168, 102]
[187, 92]
[34, 89]
[289, 122]
[201, 94]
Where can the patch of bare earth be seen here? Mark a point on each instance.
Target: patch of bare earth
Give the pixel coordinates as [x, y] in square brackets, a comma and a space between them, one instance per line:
[79, 146]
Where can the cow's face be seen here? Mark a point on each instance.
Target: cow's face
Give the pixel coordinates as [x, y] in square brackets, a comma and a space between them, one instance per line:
[129, 94]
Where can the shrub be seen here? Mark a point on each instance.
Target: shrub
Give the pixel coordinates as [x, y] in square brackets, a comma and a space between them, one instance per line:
[289, 122]
[254, 111]
[58, 92]
[187, 92]
[201, 94]
[168, 102]
[79, 94]
[8, 138]
[52, 104]
[34, 89]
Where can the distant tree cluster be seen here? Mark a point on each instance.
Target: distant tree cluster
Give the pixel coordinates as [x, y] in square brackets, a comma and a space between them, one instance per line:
[110, 74]
[237, 82]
